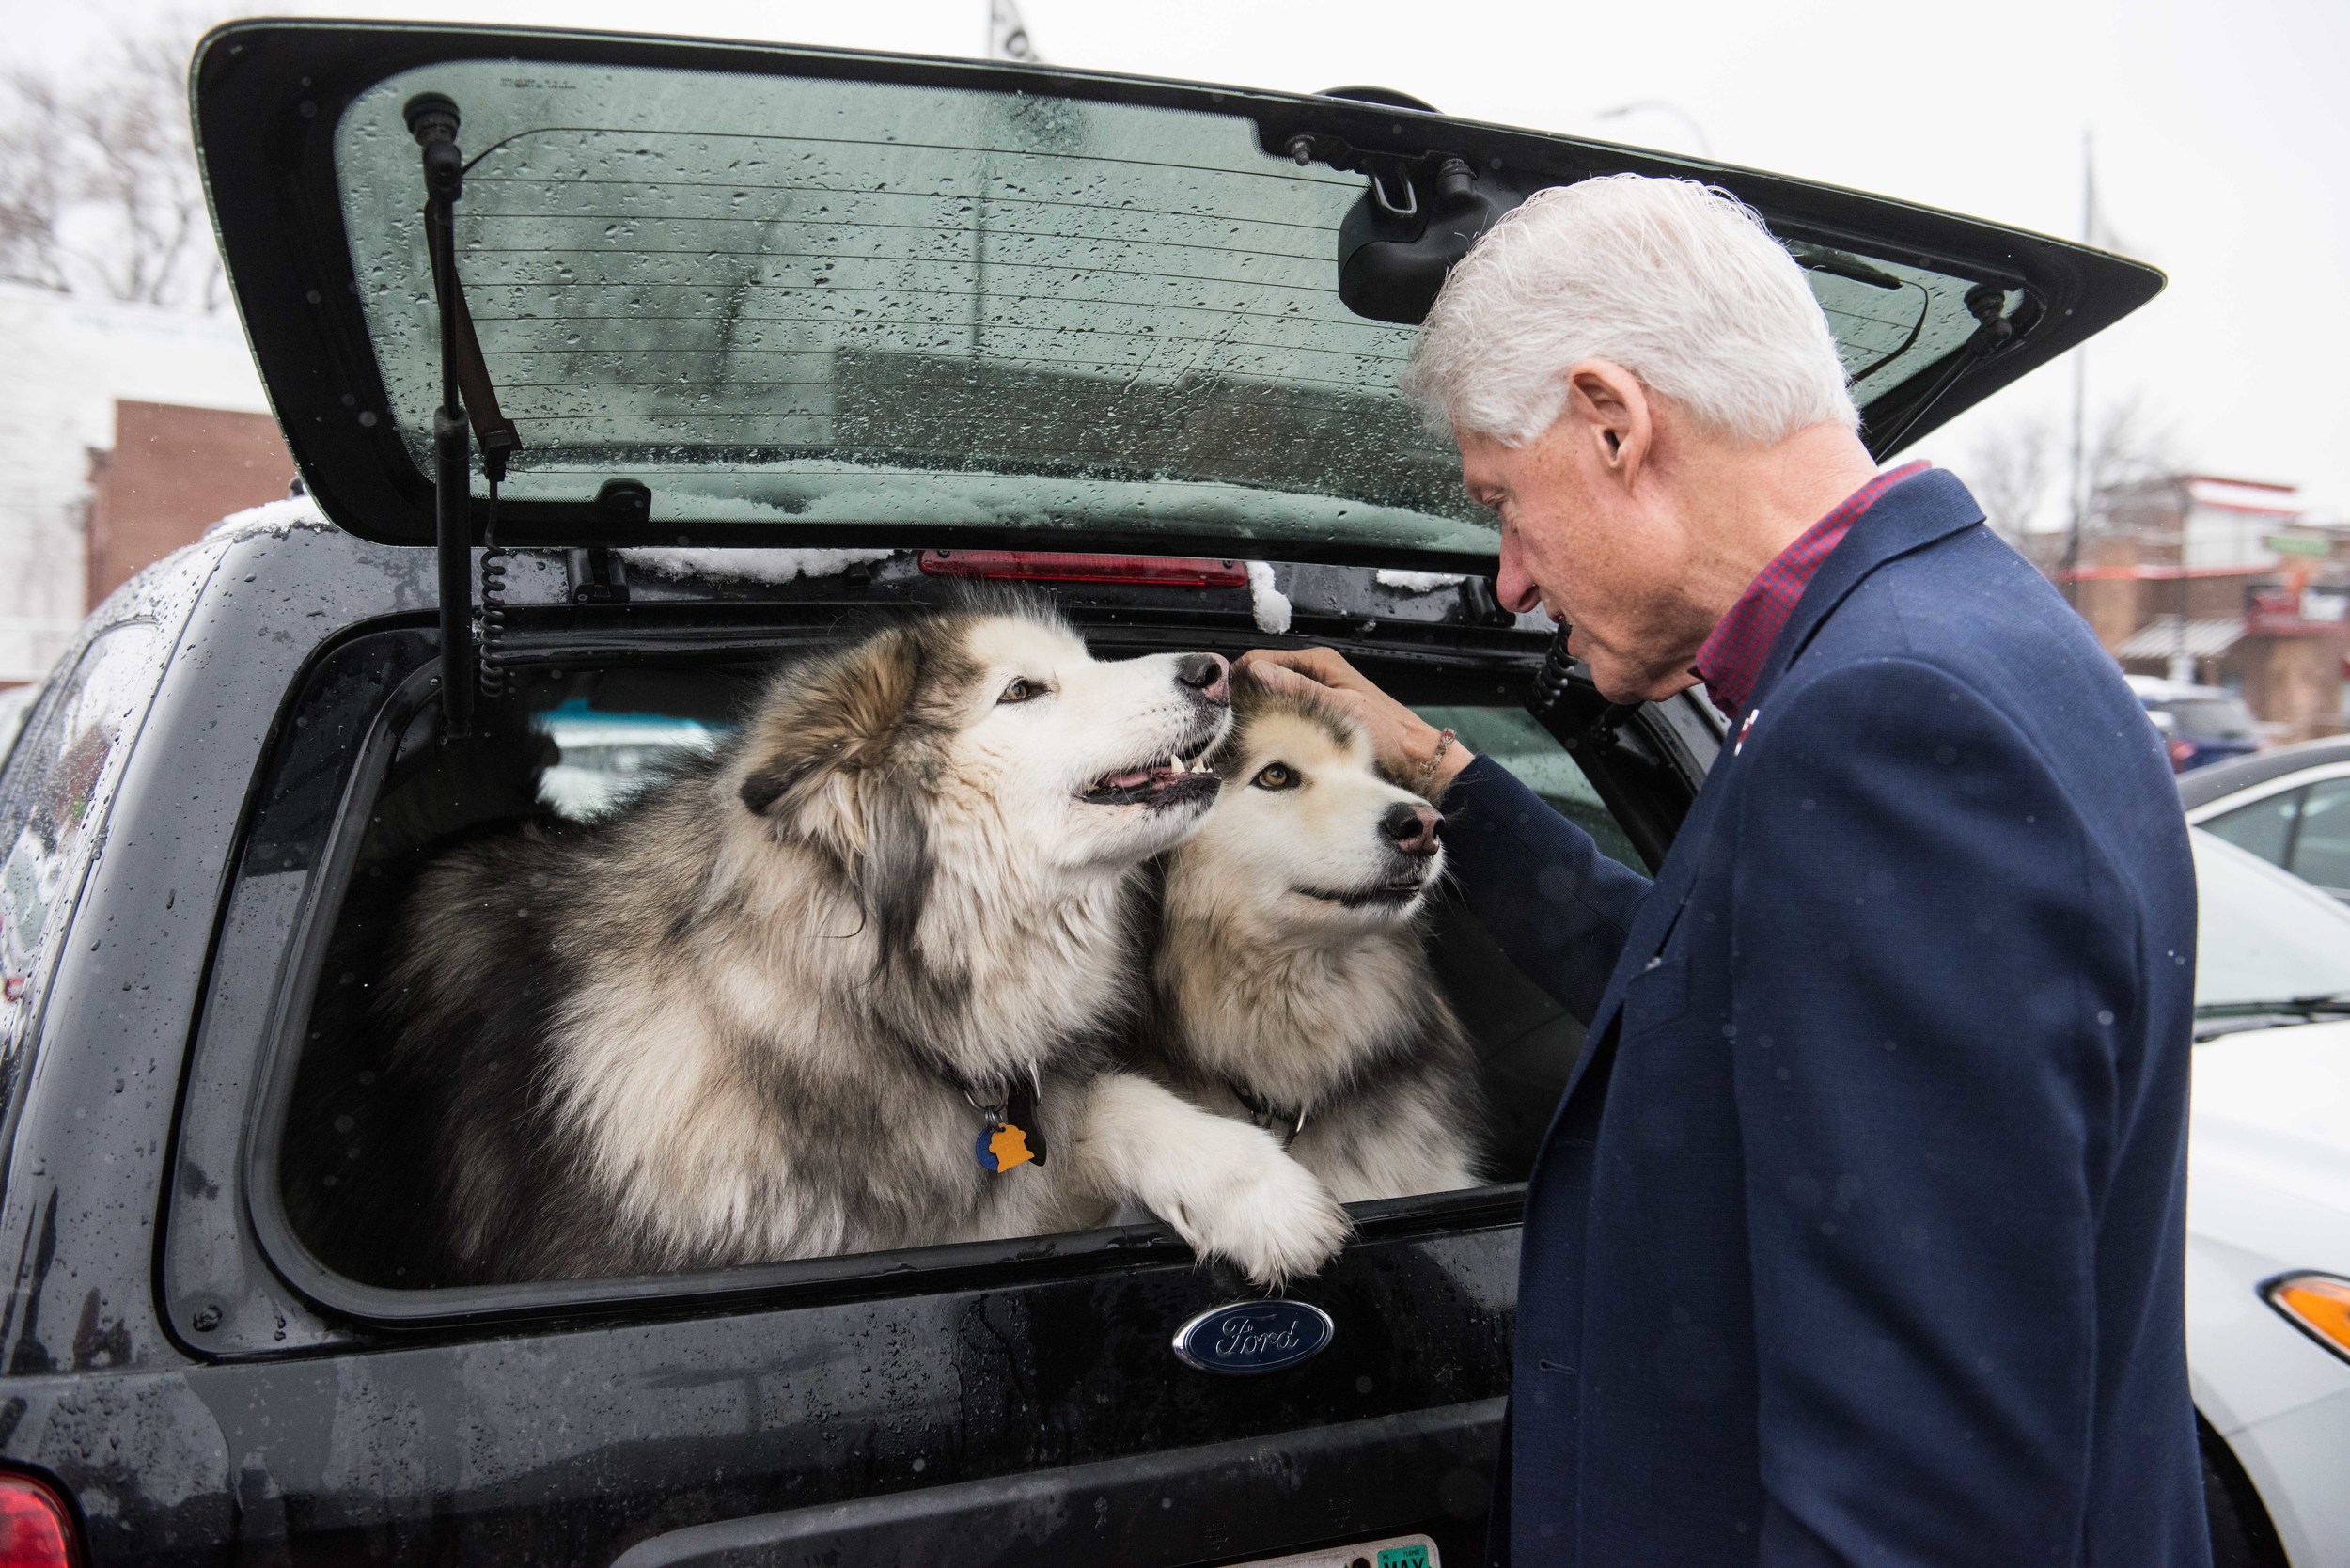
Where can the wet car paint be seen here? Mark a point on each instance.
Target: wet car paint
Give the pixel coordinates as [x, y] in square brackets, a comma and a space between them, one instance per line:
[205, 1411]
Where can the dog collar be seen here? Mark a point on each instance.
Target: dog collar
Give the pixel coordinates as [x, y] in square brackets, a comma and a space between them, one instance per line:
[1266, 1114]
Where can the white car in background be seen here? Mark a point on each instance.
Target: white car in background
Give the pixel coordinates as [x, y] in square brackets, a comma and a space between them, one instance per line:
[2268, 1212]
[2291, 806]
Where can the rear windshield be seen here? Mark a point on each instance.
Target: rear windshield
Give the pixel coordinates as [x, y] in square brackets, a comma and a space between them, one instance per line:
[860, 303]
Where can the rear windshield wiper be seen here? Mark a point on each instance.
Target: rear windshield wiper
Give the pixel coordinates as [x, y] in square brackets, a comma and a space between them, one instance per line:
[467, 398]
[2326, 1002]
[2235, 1016]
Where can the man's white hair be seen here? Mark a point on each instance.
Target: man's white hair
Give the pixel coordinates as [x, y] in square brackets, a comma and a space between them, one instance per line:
[1678, 282]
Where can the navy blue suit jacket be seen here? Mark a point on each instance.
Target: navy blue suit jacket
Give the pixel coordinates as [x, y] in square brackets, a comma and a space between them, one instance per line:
[1857, 1237]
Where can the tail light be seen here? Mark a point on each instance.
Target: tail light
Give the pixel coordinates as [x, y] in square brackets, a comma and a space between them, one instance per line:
[37, 1528]
[1047, 566]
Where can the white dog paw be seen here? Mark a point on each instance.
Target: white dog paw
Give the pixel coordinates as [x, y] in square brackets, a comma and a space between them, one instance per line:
[1262, 1212]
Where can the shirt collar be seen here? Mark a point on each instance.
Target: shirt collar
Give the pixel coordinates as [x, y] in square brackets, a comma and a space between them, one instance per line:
[1731, 658]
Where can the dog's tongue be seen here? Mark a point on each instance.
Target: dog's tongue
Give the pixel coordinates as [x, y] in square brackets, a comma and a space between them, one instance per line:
[1132, 780]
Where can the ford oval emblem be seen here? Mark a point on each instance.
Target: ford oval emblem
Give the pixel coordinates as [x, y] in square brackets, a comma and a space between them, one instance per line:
[1245, 1337]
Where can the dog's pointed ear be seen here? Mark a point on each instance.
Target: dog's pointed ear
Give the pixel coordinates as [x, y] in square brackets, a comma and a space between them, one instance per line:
[837, 761]
[825, 721]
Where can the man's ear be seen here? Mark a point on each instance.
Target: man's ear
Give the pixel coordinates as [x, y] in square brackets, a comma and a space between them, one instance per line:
[1613, 411]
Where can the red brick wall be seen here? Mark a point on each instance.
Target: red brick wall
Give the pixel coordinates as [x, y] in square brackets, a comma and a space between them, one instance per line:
[173, 473]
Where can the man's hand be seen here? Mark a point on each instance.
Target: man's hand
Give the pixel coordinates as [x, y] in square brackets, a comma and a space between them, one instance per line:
[1404, 745]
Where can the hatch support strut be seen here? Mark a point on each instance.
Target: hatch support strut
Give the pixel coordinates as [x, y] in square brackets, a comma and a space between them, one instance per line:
[465, 390]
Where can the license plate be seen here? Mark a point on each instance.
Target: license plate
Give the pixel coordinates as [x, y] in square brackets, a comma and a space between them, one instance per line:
[1400, 1551]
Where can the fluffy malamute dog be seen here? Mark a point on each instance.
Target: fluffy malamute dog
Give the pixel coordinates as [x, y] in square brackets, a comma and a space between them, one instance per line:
[782, 1004]
[1291, 985]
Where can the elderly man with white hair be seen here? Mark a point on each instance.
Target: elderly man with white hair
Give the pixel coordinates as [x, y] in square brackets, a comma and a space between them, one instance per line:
[1857, 1235]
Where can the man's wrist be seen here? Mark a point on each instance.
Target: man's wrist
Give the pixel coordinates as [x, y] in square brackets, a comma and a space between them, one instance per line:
[1449, 767]
[1434, 759]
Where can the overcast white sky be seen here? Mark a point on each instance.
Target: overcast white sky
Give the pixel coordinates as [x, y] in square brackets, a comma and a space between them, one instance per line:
[2222, 137]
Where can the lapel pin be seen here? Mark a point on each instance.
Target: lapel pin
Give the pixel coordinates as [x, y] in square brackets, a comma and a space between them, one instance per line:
[1740, 745]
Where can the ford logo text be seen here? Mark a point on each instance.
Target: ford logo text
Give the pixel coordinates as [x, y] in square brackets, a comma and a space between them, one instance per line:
[1244, 1337]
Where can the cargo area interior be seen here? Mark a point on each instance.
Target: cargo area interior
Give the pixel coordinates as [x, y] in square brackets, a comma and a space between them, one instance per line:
[573, 742]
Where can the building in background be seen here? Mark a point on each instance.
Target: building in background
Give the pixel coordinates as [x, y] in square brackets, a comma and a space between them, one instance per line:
[2223, 582]
[172, 473]
[72, 360]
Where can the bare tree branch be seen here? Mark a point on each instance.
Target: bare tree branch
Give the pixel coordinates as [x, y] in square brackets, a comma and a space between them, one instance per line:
[2009, 469]
[2130, 467]
[32, 196]
[98, 183]
[2132, 472]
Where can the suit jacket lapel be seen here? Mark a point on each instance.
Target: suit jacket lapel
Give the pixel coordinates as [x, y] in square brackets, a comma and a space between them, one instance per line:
[1910, 516]
[1651, 924]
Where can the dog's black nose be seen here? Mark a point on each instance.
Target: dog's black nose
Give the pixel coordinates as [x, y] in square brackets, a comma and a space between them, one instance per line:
[1413, 825]
[1209, 674]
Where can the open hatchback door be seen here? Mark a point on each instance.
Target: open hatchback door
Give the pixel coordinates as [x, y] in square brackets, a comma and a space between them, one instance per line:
[718, 294]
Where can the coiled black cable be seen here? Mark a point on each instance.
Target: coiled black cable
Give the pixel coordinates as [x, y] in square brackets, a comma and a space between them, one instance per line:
[1552, 687]
[1550, 681]
[491, 677]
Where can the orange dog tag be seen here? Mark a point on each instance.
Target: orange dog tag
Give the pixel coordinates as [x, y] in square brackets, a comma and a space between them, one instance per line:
[1013, 1136]
[1009, 1146]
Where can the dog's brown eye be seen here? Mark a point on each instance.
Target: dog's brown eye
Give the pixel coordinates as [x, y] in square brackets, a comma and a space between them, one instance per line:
[1021, 690]
[1276, 776]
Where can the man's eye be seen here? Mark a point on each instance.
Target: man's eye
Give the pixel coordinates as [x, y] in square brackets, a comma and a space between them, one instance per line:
[1023, 690]
[1276, 776]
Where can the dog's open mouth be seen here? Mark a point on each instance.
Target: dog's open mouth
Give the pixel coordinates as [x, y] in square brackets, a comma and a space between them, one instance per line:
[1169, 781]
[1379, 895]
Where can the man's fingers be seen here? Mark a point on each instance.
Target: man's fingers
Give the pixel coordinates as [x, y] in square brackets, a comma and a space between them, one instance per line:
[1277, 669]
[1276, 678]
[1258, 660]
[1288, 683]
[1402, 738]
[1316, 664]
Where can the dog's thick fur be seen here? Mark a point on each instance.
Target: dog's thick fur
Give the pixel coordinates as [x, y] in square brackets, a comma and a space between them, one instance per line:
[1290, 975]
[747, 1017]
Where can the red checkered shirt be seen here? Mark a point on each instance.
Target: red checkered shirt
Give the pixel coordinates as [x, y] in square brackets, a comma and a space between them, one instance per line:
[1732, 660]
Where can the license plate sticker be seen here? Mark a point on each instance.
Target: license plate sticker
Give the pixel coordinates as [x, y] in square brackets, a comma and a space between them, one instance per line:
[1398, 1551]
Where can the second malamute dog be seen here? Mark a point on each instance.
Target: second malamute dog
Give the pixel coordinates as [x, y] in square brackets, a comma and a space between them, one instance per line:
[1291, 985]
[842, 986]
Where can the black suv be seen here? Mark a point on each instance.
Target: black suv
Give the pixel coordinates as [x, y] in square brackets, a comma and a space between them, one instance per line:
[755, 343]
